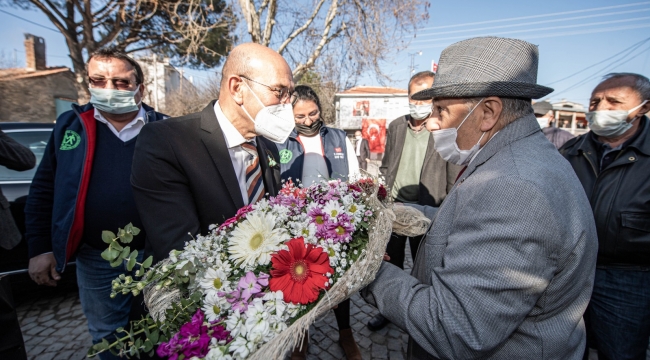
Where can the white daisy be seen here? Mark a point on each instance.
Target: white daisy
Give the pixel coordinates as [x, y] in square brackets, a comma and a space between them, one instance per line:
[254, 239]
[216, 279]
[214, 306]
[333, 208]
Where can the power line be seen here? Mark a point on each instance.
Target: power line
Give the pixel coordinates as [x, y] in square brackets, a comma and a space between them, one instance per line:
[419, 36]
[580, 32]
[608, 68]
[542, 29]
[635, 46]
[29, 21]
[539, 16]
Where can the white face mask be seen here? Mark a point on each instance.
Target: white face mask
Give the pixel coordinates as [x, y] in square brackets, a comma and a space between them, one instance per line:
[419, 112]
[274, 122]
[610, 123]
[444, 141]
[543, 122]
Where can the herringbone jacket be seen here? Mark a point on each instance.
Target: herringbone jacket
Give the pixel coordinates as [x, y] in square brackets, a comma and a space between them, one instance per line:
[507, 267]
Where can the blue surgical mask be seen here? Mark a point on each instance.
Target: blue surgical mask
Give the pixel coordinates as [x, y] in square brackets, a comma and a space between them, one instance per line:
[114, 101]
[419, 112]
[611, 123]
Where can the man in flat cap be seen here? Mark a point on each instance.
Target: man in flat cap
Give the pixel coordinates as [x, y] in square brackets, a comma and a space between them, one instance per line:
[544, 113]
[503, 273]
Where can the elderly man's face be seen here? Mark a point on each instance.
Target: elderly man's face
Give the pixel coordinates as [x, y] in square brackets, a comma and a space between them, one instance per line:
[616, 94]
[449, 113]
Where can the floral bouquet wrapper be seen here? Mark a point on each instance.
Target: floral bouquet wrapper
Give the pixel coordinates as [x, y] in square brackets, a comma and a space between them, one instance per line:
[251, 288]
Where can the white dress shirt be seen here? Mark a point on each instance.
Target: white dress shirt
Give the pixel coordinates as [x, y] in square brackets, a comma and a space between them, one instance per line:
[131, 129]
[314, 168]
[239, 157]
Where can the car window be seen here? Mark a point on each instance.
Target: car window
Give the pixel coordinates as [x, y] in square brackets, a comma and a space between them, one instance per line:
[36, 142]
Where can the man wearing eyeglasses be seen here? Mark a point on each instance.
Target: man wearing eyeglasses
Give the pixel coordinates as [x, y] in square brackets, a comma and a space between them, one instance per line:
[82, 187]
[197, 170]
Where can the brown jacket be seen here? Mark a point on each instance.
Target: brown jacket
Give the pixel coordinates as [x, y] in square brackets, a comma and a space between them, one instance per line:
[437, 177]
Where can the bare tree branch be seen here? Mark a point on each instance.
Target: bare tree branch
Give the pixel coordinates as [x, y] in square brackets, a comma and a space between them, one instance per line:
[270, 21]
[301, 29]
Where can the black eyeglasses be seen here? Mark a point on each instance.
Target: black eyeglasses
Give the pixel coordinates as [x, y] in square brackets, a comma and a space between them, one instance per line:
[281, 93]
[120, 84]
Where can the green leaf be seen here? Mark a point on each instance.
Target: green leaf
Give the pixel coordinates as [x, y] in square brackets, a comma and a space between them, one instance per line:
[108, 236]
[127, 238]
[148, 345]
[121, 233]
[132, 260]
[116, 262]
[106, 255]
[147, 263]
[125, 253]
[135, 231]
[116, 246]
[154, 336]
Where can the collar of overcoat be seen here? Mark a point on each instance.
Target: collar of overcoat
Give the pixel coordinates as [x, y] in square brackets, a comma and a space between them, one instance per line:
[512, 132]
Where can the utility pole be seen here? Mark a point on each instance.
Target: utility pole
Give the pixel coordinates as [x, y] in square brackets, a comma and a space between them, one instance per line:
[413, 66]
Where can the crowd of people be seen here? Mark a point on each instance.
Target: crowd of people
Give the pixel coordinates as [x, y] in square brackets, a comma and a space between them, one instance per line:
[539, 246]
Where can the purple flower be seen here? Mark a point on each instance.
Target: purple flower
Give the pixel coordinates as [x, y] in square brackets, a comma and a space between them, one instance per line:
[249, 285]
[219, 332]
[341, 230]
[191, 340]
[263, 279]
[318, 216]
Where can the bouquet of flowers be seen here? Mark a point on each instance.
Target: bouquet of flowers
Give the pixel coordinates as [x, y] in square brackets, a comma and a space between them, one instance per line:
[255, 283]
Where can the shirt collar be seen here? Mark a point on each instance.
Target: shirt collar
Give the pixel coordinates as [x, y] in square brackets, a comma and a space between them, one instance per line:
[230, 133]
[140, 116]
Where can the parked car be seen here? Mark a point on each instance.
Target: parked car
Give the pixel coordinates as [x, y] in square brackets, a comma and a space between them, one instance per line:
[15, 186]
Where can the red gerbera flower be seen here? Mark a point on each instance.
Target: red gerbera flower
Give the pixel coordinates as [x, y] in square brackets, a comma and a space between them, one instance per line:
[300, 272]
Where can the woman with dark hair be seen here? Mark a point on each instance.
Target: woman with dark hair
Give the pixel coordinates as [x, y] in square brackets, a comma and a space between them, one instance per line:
[313, 153]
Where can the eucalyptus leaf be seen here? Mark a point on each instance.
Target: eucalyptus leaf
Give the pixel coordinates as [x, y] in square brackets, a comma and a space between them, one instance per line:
[116, 263]
[108, 236]
[135, 231]
[127, 238]
[147, 263]
[116, 246]
[132, 260]
[106, 255]
[125, 252]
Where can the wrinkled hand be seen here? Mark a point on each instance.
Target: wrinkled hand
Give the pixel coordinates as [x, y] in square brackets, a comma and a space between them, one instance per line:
[42, 269]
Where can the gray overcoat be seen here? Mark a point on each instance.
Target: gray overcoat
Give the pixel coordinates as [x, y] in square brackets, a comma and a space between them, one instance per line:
[507, 267]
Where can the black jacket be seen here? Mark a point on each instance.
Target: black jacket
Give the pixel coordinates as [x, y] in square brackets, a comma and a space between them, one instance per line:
[54, 212]
[437, 177]
[364, 153]
[14, 156]
[183, 180]
[619, 196]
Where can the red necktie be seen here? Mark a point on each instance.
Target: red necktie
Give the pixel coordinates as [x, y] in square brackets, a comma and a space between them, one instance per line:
[461, 173]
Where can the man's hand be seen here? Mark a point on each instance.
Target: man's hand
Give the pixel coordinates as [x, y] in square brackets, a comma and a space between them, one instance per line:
[42, 269]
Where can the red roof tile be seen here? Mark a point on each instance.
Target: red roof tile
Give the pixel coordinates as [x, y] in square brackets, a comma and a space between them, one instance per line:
[374, 90]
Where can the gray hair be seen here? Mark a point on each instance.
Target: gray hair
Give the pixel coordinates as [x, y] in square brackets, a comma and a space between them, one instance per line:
[513, 108]
[641, 83]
